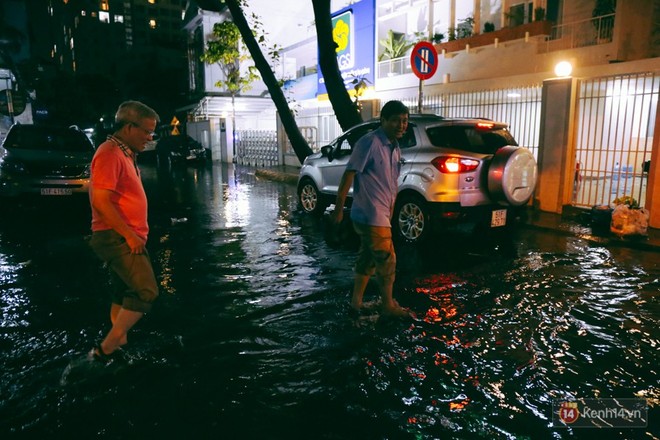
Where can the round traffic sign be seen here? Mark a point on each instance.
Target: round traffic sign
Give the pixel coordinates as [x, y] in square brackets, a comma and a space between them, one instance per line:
[424, 60]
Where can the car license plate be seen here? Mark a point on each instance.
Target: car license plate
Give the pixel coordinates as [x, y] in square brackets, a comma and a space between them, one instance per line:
[498, 218]
[56, 191]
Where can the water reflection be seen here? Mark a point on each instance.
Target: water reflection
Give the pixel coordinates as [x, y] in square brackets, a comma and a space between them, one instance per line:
[252, 336]
[519, 334]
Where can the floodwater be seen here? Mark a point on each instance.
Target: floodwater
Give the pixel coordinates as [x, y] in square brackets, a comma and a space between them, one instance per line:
[252, 336]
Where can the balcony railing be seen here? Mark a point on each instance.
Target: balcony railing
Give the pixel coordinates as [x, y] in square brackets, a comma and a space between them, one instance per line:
[589, 32]
[394, 67]
[583, 33]
[400, 66]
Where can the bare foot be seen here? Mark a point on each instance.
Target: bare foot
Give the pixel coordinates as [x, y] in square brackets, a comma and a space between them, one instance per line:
[396, 311]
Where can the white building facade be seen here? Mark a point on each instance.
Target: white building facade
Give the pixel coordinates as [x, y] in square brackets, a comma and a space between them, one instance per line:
[592, 131]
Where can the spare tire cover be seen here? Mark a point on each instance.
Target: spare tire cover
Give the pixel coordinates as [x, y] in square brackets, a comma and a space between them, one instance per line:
[512, 175]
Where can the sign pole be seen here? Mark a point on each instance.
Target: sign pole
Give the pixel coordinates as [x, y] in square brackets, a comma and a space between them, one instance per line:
[424, 64]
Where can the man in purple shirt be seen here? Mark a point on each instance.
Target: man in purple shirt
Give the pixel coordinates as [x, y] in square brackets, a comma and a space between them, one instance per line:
[373, 170]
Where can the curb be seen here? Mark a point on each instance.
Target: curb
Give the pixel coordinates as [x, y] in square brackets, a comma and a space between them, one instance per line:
[637, 242]
[277, 176]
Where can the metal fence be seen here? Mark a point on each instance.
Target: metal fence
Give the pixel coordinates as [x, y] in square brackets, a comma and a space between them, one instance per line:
[519, 107]
[614, 137]
[257, 148]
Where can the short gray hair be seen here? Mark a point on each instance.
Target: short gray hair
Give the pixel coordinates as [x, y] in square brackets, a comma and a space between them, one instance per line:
[133, 112]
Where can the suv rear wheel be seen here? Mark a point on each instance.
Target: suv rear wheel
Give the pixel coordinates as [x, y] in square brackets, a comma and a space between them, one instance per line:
[309, 197]
[411, 221]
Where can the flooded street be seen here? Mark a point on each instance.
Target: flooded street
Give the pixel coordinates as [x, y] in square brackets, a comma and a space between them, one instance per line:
[252, 335]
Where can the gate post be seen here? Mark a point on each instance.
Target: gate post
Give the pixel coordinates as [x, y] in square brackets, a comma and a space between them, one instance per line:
[556, 144]
[652, 202]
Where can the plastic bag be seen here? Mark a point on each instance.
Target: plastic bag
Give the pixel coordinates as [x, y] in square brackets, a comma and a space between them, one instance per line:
[629, 221]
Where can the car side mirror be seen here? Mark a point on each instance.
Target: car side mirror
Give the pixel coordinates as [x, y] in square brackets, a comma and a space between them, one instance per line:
[327, 151]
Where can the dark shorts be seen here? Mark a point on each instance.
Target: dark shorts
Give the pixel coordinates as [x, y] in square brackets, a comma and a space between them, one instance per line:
[376, 254]
[133, 280]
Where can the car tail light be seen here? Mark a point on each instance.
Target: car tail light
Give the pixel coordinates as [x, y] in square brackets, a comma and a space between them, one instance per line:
[453, 165]
[485, 125]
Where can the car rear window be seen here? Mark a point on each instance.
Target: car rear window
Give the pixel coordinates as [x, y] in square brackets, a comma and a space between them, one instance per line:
[470, 138]
[47, 138]
[346, 144]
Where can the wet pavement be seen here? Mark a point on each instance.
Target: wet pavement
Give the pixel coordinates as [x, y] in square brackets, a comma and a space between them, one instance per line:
[252, 336]
[572, 221]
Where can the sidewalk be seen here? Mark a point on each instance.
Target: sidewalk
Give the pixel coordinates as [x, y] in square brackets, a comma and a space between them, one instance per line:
[573, 221]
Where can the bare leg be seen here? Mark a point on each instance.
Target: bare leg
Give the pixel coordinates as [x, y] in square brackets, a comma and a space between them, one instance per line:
[359, 286]
[390, 305]
[114, 310]
[117, 336]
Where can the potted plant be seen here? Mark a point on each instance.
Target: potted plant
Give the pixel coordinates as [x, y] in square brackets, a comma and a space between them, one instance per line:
[489, 27]
[465, 28]
[394, 46]
[438, 37]
[435, 38]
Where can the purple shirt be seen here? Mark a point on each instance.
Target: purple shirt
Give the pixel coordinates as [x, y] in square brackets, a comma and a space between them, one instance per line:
[376, 162]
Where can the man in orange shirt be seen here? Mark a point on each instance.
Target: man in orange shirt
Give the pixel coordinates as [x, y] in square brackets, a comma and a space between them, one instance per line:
[119, 222]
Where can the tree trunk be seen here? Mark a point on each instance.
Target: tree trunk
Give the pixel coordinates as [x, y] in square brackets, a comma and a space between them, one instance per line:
[345, 110]
[298, 142]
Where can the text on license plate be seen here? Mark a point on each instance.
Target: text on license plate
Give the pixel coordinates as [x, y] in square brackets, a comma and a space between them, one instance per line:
[56, 191]
[498, 218]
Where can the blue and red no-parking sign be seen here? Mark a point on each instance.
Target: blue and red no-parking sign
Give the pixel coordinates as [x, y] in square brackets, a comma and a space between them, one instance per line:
[424, 60]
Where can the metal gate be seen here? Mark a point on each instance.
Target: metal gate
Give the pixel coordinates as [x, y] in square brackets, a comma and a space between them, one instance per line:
[519, 107]
[616, 117]
[257, 148]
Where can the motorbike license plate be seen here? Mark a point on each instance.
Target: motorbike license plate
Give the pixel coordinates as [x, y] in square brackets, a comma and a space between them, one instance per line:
[498, 218]
[56, 191]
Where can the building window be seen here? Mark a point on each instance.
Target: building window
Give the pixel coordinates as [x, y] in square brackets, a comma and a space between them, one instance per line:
[119, 18]
[153, 2]
[104, 5]
[152, 23]
[104, 17]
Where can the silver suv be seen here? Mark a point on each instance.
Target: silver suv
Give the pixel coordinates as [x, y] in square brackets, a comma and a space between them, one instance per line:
[454, 171]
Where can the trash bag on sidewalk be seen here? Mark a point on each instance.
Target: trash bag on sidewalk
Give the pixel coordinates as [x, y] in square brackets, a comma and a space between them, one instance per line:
[629, 221]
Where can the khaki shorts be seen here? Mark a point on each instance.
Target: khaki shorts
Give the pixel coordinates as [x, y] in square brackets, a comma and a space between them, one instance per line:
[376, 254]
[133, 280]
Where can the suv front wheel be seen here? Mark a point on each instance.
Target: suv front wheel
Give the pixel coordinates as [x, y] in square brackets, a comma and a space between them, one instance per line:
[309, 197]
[411, 221]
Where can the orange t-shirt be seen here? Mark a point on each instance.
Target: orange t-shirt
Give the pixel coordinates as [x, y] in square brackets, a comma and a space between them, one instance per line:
[114, 170]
